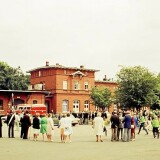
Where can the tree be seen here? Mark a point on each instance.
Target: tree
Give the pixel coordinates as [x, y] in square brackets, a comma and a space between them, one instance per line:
[101, 97]
[136, 87]
[12, 78]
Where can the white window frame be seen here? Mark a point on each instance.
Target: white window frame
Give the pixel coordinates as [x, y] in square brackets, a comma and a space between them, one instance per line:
[76, 85]
[76, 104]
[86, 105]
[65, 85]
[86, 86]
[65, 106]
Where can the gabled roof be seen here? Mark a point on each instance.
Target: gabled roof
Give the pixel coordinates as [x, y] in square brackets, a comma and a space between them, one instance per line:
[78, 73]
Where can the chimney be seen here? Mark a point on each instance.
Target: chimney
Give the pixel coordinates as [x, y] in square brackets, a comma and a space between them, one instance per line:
[47, 63]
[57, 64]
[82, 66]
[105, 78]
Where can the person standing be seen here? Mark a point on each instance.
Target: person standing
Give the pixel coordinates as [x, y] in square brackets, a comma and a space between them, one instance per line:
[50, 128]
[62, 123]
[36, 127]
[17, 120]
[155, 124]
[26, 123]
[10, 123]
[127, 127]
[68, 128]
[133, 127]
[120, 127]
[98, 125]
[43, 128]
[114, 126]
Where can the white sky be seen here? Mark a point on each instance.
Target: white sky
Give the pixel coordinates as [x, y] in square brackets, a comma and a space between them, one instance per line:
[99, 34]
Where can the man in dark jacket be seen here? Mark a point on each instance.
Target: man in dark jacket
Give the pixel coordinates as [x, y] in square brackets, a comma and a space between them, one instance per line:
[114, 125]
[25, 124]
[10, 123]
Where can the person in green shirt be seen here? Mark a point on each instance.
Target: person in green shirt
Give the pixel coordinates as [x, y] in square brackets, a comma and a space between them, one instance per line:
[155, 124]
[142, 124]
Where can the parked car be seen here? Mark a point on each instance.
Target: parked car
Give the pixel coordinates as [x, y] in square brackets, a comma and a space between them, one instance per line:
[74, 120]
[56, 121]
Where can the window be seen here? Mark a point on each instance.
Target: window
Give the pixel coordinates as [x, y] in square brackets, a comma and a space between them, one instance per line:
[1, 104]
[34, 101]
[65, 71]
[86, 105]
[39, 73]
[86, 85]
[76, 86]
[65, 85]
[64, 106]
[76, 106]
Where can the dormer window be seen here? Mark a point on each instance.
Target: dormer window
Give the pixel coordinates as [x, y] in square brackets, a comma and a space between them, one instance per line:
[78, 73]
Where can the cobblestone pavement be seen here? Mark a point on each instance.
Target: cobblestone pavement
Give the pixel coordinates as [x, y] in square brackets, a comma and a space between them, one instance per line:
[82, 147]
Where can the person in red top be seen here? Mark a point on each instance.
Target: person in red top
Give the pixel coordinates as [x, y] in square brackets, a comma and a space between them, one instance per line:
[133, 127]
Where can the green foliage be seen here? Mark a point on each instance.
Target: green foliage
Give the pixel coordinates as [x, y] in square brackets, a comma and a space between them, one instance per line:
[101, 97]
[137, 87]
[12, 78]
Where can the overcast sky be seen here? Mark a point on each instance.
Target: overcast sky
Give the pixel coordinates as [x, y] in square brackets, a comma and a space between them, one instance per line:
[99, 34]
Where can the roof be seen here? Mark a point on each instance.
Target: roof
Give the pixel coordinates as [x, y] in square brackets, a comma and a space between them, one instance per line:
[113, 82]
[24, 91]
[57, 66]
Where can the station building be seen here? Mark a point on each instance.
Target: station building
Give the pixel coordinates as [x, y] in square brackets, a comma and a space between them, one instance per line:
[60, 88]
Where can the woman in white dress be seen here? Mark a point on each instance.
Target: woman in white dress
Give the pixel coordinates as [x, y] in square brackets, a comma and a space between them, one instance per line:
[62, 123]
[68, 128]
[50, 127]
[98, 125]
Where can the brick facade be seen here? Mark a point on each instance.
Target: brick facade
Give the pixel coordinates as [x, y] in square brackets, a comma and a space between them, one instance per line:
[9, 98]
[59, 88]
[69, 87]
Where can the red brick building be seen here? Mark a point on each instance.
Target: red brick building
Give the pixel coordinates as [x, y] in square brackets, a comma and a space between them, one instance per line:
[9, 98]
[60, 88]
[68, 87]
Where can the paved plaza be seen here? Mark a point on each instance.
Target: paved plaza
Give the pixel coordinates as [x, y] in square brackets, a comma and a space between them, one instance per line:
[82, 147]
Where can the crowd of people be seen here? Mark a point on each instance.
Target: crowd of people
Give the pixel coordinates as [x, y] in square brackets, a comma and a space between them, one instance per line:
[123, 125]
[39, 124]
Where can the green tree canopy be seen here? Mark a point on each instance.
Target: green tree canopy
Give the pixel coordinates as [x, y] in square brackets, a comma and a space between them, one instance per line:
[12, 78]
[101, 97]
[137, 87]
